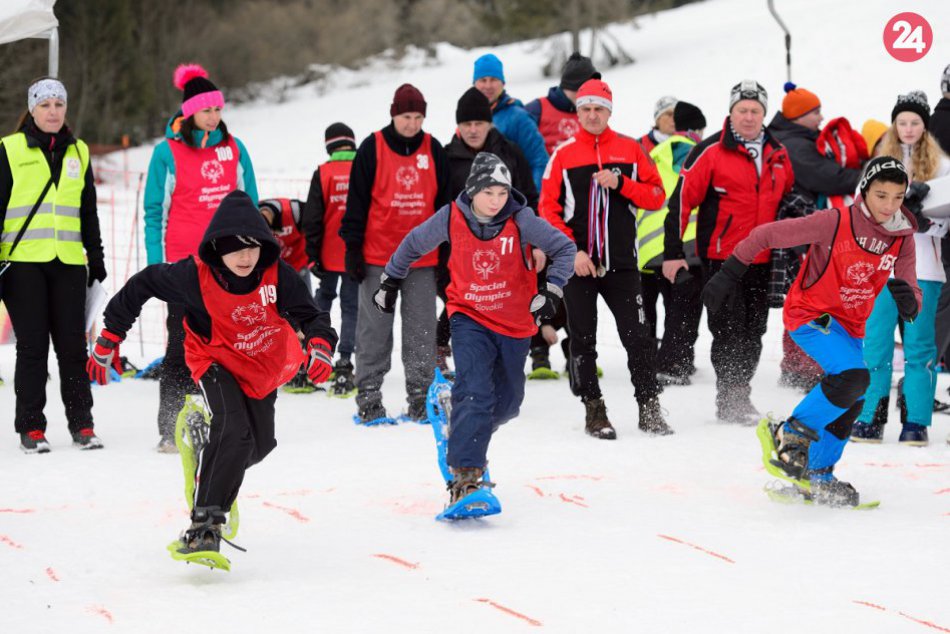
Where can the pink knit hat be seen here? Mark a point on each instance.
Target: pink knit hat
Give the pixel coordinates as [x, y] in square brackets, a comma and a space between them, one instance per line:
[199, 92]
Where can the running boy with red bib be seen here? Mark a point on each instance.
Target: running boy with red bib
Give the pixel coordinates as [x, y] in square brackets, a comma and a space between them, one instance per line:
[493, 303]
[852, 254]
[239, 347]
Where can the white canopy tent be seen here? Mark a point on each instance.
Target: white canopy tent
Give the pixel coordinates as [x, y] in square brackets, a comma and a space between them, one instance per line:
[21, 19]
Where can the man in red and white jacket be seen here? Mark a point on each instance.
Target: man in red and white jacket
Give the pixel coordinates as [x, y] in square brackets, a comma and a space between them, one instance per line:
[590, 186]
[737, 178]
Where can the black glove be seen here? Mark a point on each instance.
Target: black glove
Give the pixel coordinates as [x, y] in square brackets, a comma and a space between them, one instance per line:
[904, 297]
[721, 286]
[354, 264]
[914, 201]
[385, 297]
[97, 272]
[544, 304]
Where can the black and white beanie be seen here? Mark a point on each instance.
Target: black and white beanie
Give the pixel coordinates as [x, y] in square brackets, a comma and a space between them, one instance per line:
[487, 171]
[748, 89]
[915, 101]
[882, 167]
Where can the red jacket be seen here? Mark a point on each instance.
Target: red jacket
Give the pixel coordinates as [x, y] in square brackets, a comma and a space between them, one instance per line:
[566, 187]
[719, 177]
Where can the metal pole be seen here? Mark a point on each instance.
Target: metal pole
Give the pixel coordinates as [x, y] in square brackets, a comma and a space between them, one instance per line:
[54, 52]
[788, 39]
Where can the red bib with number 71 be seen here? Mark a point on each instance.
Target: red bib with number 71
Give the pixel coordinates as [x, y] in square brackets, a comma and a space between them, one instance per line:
[249, 338]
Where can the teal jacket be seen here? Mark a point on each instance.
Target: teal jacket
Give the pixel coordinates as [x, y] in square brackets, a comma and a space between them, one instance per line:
[161, 183]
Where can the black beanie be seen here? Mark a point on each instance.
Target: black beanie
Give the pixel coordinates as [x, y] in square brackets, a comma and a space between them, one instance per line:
[882, 167]
[337, 136]
[230, 244]
[577, 70]
[914, 101]
[487, 171]
[473, 106]
[687, 117]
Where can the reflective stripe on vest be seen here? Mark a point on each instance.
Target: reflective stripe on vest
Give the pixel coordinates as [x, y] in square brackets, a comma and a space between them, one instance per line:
[55, 230]
[650, 233]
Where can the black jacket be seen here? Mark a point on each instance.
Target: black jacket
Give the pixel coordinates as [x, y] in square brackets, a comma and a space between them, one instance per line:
[54, 147]
[461, 157]
[940, 124]
[363, 173]
[815, 174]
[177, 283]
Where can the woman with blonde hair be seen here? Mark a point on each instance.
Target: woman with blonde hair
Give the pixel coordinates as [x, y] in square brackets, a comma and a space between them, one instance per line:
[908, 140]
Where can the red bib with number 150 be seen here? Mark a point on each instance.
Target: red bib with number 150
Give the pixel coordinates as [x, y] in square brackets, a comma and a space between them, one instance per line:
[249, 338]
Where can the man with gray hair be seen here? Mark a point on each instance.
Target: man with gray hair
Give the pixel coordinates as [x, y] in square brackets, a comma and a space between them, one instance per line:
[737, 178]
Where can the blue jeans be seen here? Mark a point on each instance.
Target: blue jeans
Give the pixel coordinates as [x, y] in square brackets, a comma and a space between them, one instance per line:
[835, 351]
[488, 390]
[349, 304]
[920, 355]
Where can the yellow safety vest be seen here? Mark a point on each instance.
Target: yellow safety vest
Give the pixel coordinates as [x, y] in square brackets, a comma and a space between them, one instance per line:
[54, 231]
[650, 223]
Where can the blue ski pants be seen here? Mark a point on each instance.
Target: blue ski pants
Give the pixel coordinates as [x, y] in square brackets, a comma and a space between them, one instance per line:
[488, 389]
[830, 408]
[920, 355]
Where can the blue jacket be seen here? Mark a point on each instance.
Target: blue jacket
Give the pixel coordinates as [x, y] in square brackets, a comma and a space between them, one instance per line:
[512, 120]
[534, 231]
[161, 183]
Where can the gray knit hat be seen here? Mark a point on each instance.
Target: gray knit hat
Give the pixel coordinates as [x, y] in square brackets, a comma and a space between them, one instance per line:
[487, 170]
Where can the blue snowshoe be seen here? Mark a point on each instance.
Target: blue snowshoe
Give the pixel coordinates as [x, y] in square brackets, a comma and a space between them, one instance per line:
[470, 488]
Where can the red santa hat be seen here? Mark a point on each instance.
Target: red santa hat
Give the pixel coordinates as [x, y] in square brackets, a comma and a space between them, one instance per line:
[596, 92]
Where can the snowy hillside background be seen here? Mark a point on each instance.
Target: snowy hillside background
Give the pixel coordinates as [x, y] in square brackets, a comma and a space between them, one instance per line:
[637, 535]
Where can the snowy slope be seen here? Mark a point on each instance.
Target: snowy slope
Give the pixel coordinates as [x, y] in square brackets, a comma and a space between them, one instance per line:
[637, 535]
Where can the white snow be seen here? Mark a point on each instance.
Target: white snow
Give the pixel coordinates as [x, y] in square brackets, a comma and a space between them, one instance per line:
[637, 535]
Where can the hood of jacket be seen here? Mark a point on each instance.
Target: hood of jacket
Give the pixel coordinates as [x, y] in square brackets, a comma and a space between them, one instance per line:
[237, 215]
[516, 202]
[559, 100]
[782, 129]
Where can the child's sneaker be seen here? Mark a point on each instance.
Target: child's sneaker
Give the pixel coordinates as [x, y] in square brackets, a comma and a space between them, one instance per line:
[204, 534]
[34, 441]
[914, 435]
[596, 422]
[343, 385]
[86, 438]
[833, 492]
[467, 480]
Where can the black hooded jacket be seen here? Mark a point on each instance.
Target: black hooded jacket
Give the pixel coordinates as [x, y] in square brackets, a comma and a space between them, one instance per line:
[177, 283]
[461, 157]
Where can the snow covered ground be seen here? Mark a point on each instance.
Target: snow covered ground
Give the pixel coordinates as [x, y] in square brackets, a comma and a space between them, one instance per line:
[637, 535]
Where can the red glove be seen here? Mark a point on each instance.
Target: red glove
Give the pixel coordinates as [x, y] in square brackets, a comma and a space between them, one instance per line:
[104, 354]
[321, 360]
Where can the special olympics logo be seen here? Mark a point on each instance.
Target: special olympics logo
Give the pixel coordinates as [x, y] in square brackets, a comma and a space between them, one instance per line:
[859, 273]
[212, 170]
[567, 128]
[249, 314]
[407, 177]
[486, 263]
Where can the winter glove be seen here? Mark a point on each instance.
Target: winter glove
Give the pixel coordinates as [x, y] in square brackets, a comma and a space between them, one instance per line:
[97, 272]
[722, 286]
[904, 297]
[914, 201]
[321, 360]
[544, 304]
[104, 354]
[385, 297]
[354, 264]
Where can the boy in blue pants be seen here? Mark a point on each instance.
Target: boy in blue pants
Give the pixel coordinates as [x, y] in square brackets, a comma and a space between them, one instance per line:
[496, 245]
[852, 254]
